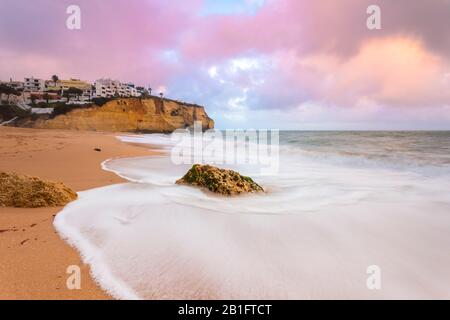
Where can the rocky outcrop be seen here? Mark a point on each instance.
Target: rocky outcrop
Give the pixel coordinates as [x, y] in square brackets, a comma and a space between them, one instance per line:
[131, 115]
[31, 192]
[226, 182]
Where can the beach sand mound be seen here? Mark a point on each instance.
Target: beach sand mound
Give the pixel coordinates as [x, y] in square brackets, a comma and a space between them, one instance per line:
[31, 192]
[226, 182]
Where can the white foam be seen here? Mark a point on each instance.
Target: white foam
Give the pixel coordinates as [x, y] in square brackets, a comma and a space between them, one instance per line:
[311, 236]
[93, 256]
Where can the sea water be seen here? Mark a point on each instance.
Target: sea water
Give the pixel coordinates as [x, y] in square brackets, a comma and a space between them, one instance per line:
[340, 203]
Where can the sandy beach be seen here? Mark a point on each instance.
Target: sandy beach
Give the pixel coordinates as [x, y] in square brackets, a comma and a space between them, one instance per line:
[34, 257]
[289, 243]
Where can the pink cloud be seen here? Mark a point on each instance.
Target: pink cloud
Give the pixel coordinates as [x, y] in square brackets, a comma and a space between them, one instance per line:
[120, 39]
[312, 51]
[393, 71]
[317, 26]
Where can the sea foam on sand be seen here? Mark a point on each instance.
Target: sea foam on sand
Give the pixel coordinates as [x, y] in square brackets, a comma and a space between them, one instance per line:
[312, 236]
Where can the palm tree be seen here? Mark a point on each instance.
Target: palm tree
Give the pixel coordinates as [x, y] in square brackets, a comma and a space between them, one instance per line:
[149, 91]
[55, 79]
[161, 94]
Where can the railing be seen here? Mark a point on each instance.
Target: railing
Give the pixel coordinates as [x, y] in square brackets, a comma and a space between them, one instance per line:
[23, 106]
[8, 122]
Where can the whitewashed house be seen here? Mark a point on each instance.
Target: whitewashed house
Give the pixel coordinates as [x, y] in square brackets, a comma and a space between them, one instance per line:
[34, 85]
[107, 88]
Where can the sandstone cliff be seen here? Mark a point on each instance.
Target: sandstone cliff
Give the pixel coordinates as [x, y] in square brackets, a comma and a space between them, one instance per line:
[131, 115]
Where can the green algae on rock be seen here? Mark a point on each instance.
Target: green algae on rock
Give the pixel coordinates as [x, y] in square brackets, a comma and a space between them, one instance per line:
[222, 181]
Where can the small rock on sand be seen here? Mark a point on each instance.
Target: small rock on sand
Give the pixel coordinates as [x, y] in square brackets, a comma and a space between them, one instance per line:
[31, 192]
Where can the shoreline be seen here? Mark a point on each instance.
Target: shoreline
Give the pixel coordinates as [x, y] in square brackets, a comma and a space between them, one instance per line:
[362, 223]
[35, 257]
[314, 237]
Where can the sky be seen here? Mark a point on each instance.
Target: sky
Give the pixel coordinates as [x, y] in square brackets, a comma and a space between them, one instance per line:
[282, 64]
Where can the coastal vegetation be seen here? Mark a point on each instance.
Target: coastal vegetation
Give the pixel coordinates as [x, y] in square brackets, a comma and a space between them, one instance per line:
[8, 91]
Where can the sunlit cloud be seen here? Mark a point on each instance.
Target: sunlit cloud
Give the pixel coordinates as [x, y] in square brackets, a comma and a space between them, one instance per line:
[243, 58]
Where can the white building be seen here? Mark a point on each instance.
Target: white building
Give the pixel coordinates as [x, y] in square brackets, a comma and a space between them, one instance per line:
[17, 85]
[107, 88]
[42, 110]
[34, 85]
[132, 90]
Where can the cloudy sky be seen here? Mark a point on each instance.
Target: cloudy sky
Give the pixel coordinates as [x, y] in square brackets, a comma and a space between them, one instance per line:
[287, 64]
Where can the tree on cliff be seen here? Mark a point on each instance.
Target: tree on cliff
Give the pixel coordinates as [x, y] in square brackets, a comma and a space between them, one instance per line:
[73, 92]
[161, 94]
[55, 78]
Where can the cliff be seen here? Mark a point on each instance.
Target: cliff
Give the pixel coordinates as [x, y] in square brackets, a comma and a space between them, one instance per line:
[130, 115]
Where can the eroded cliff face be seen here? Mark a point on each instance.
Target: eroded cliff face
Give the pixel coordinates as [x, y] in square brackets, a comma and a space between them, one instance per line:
[131, 115]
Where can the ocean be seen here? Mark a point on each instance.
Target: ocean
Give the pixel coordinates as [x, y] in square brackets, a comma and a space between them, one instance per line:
[338, 204]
